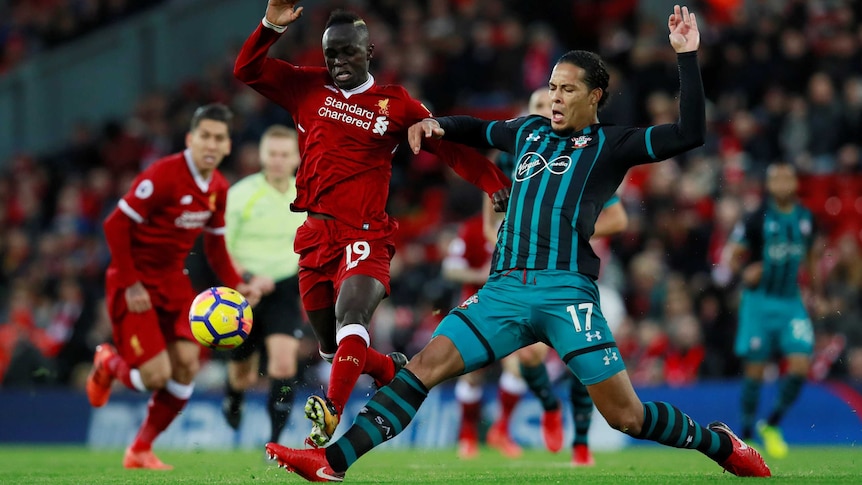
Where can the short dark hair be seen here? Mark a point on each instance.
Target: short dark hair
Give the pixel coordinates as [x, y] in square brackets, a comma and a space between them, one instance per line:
[345, 17]
[595, 71]
[215, 112]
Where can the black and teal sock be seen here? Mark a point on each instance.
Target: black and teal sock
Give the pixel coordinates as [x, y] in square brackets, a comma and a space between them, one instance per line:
[750, 400]
[382, 418]
[788, 392]
[279, 405]
[539, 382]
[582, 410]
[234, 397]
[666, 424]
[232, 406]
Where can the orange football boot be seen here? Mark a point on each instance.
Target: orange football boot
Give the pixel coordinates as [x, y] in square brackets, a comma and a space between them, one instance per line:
[100, 379]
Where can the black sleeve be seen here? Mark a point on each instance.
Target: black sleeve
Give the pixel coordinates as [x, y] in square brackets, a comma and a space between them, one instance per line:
[754, 233]
[477, 133]
[465, 130]
[661, 142]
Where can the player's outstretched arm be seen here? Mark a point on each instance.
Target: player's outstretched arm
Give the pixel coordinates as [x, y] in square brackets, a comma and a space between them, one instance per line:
[661, 142]
[468, 164]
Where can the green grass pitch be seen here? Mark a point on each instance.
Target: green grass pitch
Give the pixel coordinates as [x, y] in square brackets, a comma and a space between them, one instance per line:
[640, 465]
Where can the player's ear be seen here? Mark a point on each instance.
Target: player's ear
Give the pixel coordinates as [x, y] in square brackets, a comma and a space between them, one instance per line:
[370, 51]
[188, 139]
[596, 95]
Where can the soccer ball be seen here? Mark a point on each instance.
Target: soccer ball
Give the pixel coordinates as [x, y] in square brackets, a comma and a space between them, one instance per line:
[220, 318]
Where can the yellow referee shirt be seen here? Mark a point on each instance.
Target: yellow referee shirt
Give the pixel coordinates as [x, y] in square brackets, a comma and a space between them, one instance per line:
[261, 228]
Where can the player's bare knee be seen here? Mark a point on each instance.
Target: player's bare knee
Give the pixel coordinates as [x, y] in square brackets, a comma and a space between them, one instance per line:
[185, 371]
[244, 381]
[626, 421]
[156, 379]
[798, 364]
[530, 357]
[353, 317]
[281, 370]
[474, 378]
[437, 362]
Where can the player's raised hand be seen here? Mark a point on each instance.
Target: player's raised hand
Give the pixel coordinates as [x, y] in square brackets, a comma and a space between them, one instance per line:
[251, 292]
[684, 35]
[283, 12]
[138, 298]
[427, 128]
[265, 284]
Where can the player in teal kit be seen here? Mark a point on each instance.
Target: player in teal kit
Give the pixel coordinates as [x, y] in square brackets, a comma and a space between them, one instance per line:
[773, 243]
[542, 287]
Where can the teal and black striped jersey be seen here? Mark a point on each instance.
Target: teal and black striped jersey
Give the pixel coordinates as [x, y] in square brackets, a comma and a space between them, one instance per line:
[506, 163]
[561, 181]
[781, 241]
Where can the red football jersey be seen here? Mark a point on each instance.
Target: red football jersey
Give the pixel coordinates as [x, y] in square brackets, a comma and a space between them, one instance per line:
[470, 249]
[171, 204]
[346, 138]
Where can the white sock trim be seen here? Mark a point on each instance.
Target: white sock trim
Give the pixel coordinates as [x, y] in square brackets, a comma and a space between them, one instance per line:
[327, 357]
[180, 391]
[512, 384]
[137, 382]
[467, 393]
[353, 329]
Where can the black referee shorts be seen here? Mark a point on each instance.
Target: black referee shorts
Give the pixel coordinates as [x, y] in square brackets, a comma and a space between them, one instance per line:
[277, 313]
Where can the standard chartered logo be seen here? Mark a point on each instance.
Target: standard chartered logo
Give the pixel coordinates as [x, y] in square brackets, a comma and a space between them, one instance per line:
[381, 124]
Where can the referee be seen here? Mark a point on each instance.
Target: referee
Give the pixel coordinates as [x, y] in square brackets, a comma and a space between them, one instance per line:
[260, 233]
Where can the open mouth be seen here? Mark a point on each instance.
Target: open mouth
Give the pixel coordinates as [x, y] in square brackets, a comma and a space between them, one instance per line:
[556, 116]
[342, 75]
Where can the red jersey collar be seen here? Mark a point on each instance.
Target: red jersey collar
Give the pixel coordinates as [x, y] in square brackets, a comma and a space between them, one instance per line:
[368, 84]
[203, 184]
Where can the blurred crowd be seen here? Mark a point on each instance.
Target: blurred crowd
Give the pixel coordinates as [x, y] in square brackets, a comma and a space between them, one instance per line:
[28, 27]
[783, 81]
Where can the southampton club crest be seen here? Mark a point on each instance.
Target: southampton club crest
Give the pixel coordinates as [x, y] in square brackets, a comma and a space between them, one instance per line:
[579, 142]
[468, 302]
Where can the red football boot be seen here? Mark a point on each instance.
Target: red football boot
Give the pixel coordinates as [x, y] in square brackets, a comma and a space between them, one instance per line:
[310, 464]
[745, 461]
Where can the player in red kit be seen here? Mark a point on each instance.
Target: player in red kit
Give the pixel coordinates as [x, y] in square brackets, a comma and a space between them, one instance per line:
[349, 128]
[149, 235]
[468, 261]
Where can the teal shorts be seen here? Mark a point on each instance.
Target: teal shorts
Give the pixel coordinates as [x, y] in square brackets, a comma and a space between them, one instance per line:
[522, 307]
[770, 326]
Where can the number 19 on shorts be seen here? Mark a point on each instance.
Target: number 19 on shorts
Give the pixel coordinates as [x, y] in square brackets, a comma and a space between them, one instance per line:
[356, 252]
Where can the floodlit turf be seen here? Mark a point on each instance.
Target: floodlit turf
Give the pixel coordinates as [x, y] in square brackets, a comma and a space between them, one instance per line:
[642, 465]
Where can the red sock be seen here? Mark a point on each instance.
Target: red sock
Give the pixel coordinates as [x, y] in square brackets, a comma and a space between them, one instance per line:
[470, 415]
[379, 366]
[508, 401]
[161, 411]
[346, 368]
[121, 371]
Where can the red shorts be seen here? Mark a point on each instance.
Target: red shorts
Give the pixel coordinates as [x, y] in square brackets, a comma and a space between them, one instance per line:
[330, 252]
[141, 336]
